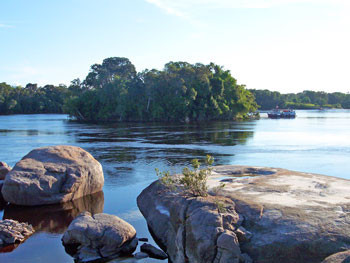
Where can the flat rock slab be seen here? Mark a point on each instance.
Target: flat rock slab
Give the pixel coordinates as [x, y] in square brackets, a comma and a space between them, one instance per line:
[293, 216]
[12, 231]
[51, 175]
[100, 236]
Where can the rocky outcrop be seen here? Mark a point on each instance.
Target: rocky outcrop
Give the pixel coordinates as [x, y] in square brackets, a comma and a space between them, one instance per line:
[100, 236]
[55, 218]
[272, 215]
[191, 229]
[292, 216]
[4, 169]
[340, 257]
[51, 175]
[12, 231]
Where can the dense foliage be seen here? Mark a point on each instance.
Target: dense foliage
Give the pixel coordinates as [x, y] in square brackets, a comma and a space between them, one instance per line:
[304, 100]
[32, 99]
[114, 91]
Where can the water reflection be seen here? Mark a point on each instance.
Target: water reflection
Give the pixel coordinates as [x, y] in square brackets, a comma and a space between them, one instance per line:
[217, 133]
[55, 218]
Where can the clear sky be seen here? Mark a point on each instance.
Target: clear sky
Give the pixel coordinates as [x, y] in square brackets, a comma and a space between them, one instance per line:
[284, 45]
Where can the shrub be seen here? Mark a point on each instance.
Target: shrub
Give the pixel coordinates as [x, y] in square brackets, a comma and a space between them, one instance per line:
[193, 180]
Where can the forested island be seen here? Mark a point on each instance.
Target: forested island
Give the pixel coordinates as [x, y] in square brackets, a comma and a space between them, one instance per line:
[115, 91]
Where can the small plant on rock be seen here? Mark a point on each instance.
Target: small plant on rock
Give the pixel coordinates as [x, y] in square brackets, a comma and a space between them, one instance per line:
[193, 180]
[166, 179]
[220, 206]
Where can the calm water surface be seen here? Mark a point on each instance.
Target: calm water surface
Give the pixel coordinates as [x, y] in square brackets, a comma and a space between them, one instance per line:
[316, 141]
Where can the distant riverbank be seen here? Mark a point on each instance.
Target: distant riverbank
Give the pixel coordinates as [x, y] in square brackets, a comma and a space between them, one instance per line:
[303, 101]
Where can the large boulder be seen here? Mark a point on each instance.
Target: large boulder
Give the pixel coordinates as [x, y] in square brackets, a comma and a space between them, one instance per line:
[100, 236]
[192, 229]
[293, 216]
[12, 231]
[272, 215]
[51, 175]
[4, 169]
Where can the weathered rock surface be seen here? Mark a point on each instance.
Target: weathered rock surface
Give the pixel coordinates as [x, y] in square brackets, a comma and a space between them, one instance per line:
[4, 169]
[100, 236]
[191, 229]
[51, 175]
[55, 218]
[293, 216]
[12, 231]
[289, 217]
[340, 257]
[153, 252]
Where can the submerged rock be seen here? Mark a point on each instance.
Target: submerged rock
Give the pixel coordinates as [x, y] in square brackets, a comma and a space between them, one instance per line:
[140, 255]
[51, 175]
[12, 231]
[100, 236]
[4, 169]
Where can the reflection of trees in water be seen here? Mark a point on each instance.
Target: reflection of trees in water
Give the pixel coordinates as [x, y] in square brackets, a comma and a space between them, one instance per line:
[122, 148]
[183, 157]
[55, 218]
[217, 133]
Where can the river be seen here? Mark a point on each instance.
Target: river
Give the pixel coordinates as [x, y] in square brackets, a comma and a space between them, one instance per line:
[316, 141]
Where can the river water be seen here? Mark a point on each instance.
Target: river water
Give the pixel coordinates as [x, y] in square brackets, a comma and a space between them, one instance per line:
[316, 141]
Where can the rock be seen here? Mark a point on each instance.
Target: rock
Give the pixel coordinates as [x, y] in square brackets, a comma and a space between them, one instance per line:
[140, 255]
[4, 169]
[187, 228]
[292, 216]
[289, 217]
[153, 252]
[242, 234]
[143, 239]
[2, 200]
[12, 231]
[228, 248]
[55, 218]
[245, 258]
[340, 257]
[99, 236]
[51, 175]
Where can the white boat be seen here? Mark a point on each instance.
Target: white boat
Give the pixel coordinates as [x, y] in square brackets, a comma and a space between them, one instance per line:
[285, 114]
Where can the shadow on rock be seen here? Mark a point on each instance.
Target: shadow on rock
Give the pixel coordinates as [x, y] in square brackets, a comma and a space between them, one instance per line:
[55, 218]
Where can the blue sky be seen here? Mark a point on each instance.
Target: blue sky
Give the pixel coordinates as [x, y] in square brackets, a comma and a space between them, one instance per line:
[284, 45]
